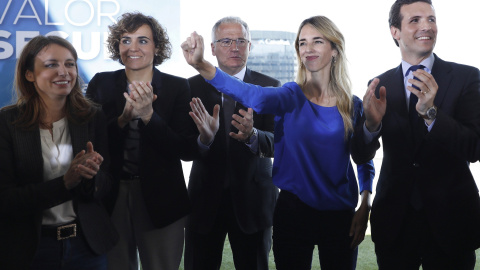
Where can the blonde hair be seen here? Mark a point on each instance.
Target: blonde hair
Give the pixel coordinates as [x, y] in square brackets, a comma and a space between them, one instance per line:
[339, 79]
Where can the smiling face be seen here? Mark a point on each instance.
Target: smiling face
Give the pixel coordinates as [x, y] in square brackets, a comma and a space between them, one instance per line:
[231, 59]
[315, 50]
[137, 49]
[54, 73]
[418, 33]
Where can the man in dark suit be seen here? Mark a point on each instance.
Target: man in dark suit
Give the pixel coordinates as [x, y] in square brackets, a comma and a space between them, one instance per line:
[230, 186]
[427, 209]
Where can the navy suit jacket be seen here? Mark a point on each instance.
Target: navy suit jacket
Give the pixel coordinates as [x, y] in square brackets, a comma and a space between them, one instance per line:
[163, 141]
[24, 194]
[437, 161]
[249, 176]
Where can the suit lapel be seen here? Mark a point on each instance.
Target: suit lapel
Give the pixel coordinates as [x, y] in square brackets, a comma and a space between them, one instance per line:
[397, 101]
[30, 150]
[118, 90]
[157, 84]
[441, 72]
[79, 136]
[249, 78]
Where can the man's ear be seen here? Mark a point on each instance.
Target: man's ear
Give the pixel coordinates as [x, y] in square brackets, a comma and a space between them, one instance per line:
[395, 32]
[29, 76]
[213, 48]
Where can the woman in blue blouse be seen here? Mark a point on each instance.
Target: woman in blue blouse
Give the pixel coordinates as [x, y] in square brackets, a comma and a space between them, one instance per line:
[314, 122]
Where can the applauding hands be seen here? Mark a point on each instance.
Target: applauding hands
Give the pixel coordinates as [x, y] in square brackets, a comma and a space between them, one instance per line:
[86, 164]
[138, 104]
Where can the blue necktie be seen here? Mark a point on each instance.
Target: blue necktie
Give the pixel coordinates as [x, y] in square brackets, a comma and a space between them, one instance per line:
[412, 111]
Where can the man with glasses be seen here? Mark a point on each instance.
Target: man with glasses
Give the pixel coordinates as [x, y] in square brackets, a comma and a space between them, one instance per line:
[230, 186]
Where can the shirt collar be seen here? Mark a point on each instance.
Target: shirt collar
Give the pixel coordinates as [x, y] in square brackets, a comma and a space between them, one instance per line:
[241, 74]
[427, 62]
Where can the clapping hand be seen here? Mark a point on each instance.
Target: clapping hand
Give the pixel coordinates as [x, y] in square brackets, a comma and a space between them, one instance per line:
[140, 99]
[426, 92]
[244, 124]
[86, 164]
[207, 124]
[374, 107]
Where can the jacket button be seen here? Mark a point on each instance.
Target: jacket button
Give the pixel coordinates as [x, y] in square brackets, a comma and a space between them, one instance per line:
[416, 165]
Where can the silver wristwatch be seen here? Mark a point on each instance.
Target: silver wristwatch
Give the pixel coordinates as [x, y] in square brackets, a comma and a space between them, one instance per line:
[430, 114]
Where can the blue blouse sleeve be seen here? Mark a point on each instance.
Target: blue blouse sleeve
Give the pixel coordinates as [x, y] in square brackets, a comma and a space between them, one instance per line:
[366, 171]
[272, 100]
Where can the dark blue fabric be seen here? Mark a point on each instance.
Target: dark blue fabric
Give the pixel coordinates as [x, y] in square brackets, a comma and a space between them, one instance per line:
[412, 69]
[68, 254]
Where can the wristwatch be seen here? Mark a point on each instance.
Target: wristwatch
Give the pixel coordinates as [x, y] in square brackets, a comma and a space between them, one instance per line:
[430, 114]
[252, 137]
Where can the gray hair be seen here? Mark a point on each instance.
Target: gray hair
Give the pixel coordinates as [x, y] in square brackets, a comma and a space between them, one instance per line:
[230, 19]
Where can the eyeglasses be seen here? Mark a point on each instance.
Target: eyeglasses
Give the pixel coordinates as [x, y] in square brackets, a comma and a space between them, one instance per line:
[226, 42]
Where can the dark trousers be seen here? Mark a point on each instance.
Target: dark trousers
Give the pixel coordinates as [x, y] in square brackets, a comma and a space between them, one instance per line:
[204, 251]
[416, 246]
[297, 228]
[68, 254]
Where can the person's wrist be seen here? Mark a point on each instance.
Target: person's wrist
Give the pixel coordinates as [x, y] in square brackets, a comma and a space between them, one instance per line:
[146, 118]
[371, 127]
[430, 113]
[122, 121]
[206, 140]
[251, 136]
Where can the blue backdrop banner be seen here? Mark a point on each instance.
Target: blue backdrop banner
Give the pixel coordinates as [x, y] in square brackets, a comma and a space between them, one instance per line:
[82, 22]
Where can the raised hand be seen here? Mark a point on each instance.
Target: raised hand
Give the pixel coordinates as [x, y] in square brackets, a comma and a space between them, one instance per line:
[428, 90]
[193, 49]
[373, 107]
[207, 124]
[127, 115]
[244, 124]
[141, 98]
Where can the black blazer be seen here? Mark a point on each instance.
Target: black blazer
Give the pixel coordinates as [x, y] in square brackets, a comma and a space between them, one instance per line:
[163, 141]
[24, 195]
[438, 161]
[250, 176]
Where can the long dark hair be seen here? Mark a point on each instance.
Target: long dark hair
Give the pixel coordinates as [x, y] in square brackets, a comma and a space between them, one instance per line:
[78, 108]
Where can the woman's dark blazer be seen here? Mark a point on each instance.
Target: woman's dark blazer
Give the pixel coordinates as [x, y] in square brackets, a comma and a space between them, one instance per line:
[24, 195]
[163, 141]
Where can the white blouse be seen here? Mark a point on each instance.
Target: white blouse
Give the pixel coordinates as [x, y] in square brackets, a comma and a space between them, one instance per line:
[57, 155]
